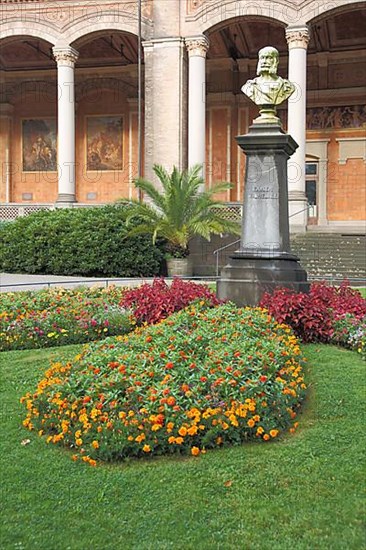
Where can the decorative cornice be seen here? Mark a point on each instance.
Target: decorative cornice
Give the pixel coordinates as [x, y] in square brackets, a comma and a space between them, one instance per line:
[297, 37]
[65, 57]
[197, 46]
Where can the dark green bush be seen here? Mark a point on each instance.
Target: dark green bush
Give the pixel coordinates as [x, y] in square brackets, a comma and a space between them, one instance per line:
[85, 241]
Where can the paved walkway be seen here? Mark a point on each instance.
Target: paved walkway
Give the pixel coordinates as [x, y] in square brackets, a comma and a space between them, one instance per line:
[10, 282]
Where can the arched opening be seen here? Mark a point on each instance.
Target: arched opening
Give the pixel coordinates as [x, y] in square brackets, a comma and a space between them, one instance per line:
[106, 116]
[28, 129]
[231, 61]
[336, 115]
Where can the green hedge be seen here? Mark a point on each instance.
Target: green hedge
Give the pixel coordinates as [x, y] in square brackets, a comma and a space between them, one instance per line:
[85, 241]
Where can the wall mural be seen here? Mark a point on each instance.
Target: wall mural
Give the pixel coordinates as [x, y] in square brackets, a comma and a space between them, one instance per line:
[320, 118]
[39, 145]
[104, 142]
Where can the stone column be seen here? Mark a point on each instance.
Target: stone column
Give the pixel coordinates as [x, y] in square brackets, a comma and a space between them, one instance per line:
[7, 168]
[197, 48]
[165, 104]
[297, 39]
[66, 58]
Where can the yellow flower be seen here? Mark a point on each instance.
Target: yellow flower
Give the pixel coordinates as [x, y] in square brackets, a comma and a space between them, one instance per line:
[260, 430]
[179, 440]
[182, 431]
[95, 444]
[79, 442]
[251, 423]
[273, 433]
[155, 427]
[140, 438]
[171, 439]
[195, 451]
[146, 448]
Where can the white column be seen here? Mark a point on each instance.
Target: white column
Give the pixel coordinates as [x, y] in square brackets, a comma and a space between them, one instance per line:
[66, 58]
[197, 48]
[297, 39]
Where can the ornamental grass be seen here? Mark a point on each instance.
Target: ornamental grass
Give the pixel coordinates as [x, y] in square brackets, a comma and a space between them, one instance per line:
[202, 378]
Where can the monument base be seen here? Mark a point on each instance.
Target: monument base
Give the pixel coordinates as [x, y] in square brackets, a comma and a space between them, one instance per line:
[244, 280]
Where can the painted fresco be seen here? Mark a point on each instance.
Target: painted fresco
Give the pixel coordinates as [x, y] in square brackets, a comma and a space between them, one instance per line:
[104, 143]
[39, 151]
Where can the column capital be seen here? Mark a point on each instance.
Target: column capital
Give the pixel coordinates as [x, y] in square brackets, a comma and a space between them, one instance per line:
[197, 46]
[297, 36]
[65, 56]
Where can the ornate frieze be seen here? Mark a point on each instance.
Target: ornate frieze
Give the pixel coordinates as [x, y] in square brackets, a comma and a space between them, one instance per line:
[193, 6]
[323, 118]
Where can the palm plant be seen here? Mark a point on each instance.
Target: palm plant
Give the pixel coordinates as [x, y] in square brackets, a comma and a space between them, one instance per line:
[180, 210]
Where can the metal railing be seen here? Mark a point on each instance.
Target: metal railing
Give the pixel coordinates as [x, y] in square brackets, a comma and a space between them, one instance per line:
[219, 250]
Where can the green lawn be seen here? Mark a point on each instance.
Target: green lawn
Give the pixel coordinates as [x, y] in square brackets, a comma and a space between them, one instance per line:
[303, 491]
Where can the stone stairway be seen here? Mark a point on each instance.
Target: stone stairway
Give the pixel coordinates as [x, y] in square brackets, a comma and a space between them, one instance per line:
[332, 256]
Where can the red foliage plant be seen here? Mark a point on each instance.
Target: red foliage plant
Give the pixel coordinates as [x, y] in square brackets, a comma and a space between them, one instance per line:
[152, 303]
[312, 315]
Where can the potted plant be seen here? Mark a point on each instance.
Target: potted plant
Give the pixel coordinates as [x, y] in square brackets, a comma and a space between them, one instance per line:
[178, 211]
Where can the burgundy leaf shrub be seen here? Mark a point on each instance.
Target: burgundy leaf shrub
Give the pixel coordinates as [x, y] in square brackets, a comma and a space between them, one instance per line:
[312, 315]
[152, 303]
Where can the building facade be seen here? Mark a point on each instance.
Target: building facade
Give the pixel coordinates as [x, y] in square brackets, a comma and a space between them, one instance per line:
[78, 124]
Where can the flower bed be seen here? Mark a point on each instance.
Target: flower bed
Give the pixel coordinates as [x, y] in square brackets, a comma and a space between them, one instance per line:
[57, 317]
[200, 379]
[327, 314]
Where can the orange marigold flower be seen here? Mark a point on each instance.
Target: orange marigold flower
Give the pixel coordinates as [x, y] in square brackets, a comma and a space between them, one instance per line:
[95, 444]
[273, 433]
[195, 451]
[266, 437]
[171, 439]
[179, 440]
[171, 401]
[79, 442]
[74, 457]
[260, 430]
[251, 423]
[146, 448]
[182, 431]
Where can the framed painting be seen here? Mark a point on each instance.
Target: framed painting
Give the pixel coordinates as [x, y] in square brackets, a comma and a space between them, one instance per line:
[104, 143]
[39, 145]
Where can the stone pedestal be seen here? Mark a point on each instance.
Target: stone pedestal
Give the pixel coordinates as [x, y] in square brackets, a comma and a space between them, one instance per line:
[264, 260]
